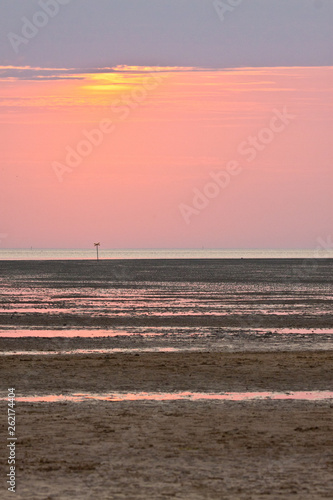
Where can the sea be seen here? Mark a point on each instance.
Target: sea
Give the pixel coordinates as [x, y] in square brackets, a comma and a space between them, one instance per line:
[322, 251]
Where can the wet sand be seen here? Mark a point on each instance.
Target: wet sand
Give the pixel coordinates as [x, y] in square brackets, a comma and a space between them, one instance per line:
[175, 450]
[183, 371]
[208, 293]
[179, 449]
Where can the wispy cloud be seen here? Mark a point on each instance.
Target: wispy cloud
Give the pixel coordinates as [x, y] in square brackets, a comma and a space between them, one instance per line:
[37, 73]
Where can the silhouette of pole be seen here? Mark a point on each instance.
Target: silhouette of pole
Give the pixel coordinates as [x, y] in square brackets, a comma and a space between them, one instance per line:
[97, 245]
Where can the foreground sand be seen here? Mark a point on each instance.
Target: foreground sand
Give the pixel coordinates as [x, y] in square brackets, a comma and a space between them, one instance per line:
[158, 450]
[169, 371]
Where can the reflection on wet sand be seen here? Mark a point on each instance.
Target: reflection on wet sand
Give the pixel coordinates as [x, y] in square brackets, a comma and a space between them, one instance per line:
[81, 295]
[175, 396]
[162, 339]
[70, 333]
[158, 331]
[102, 351]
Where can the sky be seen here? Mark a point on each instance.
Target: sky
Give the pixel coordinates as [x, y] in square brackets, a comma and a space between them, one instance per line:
[166, 123]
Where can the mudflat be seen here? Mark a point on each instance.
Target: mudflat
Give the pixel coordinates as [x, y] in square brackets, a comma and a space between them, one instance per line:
[145, 449]
[168, 371]
[171, 293]
[172, 449]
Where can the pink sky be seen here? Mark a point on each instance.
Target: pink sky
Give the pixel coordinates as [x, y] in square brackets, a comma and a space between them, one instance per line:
[175, 128]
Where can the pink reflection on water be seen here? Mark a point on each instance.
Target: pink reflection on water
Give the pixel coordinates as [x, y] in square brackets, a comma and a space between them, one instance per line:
[286, 331]
[103, 351]
[71, 333]
[176, 396]
[41, 309]
[151, 332]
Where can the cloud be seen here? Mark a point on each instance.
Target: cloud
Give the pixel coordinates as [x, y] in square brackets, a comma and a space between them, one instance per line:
[31, 73]
[37, 73]
[170, 33]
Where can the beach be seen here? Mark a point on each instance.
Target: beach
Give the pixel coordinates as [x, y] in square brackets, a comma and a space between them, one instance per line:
[177, 449]
[143, 428]
[166, 250]
[168, 372]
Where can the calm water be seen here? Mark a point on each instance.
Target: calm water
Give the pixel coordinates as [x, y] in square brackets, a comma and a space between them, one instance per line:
[177, 396]
[73, 254]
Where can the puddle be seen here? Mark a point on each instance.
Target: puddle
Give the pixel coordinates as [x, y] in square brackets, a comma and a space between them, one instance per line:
[65, 333]
[297, 331]
[154, 331]
[161, 339]
[176, 396]
[179, 332]
[103, 351]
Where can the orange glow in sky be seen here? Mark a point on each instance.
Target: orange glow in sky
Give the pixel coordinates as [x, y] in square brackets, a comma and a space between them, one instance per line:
[113, 155]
